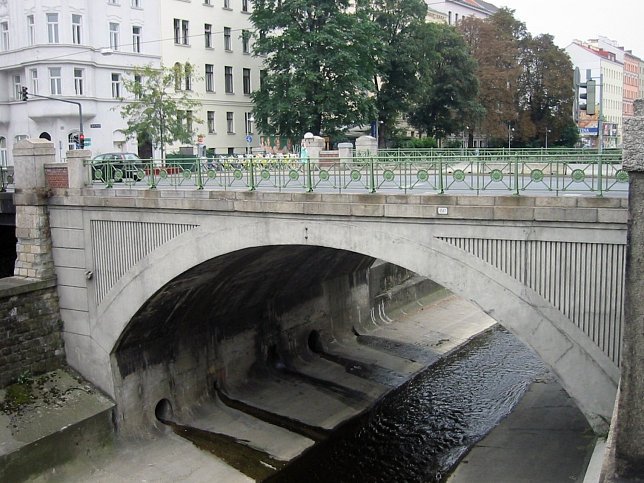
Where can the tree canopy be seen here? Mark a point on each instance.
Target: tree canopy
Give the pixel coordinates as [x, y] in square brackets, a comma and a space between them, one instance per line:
[320, 58]
[525, 81]
[159, 112]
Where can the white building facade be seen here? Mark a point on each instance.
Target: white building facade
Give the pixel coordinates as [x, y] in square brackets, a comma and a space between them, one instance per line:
[456, 10]
[215, 37]
[71, 50]
[80, 51]
[603, 65]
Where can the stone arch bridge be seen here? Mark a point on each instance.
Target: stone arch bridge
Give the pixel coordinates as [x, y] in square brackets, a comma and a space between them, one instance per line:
[136, 268]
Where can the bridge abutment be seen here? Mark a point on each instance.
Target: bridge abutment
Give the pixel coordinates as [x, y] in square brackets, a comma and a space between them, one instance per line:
[626, 457]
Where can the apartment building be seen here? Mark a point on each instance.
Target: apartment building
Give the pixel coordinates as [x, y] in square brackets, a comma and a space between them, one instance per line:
[215, 37]
[455, 10]
[71, 50]
[73, 55]
[606, 66]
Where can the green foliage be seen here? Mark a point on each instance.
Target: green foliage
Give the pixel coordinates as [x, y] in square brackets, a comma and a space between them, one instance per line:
[525, 81]
[447, 101]
[320, 59]
[419, 143]
[158, 110]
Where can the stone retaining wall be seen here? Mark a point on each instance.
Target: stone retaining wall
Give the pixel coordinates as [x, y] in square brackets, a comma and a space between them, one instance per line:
[30, 329]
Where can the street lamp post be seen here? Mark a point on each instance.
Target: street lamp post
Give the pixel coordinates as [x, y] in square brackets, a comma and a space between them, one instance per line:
[510, 131]
[547, 131]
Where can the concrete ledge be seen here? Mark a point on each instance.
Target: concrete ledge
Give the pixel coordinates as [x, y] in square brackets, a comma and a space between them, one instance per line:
[11, 286]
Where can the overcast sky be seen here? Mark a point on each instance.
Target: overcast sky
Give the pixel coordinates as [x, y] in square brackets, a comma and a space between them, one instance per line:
[566, 20]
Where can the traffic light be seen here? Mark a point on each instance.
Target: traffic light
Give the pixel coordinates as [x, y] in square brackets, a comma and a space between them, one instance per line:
[590, 97]
[25, 93]
[81, 141]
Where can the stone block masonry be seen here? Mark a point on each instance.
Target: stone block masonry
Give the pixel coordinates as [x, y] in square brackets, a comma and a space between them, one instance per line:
[30, 331]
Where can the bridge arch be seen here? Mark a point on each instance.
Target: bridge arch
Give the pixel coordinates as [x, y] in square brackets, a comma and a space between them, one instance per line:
[583, 369]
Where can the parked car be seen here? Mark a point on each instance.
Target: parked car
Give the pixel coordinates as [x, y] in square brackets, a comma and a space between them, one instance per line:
[115, 166]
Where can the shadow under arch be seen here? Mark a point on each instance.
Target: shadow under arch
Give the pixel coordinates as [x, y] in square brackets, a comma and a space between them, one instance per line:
[584, 371]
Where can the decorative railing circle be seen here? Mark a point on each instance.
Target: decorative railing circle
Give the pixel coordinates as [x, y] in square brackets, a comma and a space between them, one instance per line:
[293, 175]
[537, 175]
[496, 175]
[163, 174]
[237, 174]
[388, 175]
[187, 174]
[324, 175]
[621, 176]
[212, 174]
[422, 175]
[578, 175]
[98, 173]
[140, 174]
[265, 174]
[355, 175]
[458, 175]
[118, 174]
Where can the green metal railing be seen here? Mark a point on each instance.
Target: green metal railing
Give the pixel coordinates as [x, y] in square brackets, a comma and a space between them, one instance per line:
[427, 171]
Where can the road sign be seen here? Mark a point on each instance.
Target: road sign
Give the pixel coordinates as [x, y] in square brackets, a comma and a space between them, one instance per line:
[88, 142]
[249, 139]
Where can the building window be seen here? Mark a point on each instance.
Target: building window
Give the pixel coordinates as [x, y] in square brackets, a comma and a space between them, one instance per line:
[116, 85]
[262, 79]
[207, 35]
[210, 78]
[189, 121]
[3, 151]
[245, 41]
[178, 74]
[52, 28]
[55, 83]
[136, 3]
[246, 81]
[188, 77]
[76, 29]
[113, 2]
[185, 36]
[78, 82]
[137, 83]
[207, 2]
[33, 73]
[136, 39]
[211, 122]
[228, 78]
[4, 35]
[248, 122]
[31, 30]
[114, 36]
[177, 31]
[227, 4]
[227, 39]
[17, 87]
[230, 123]
[244, 5]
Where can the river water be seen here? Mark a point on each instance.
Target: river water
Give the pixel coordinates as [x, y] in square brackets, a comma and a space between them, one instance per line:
[421, 430]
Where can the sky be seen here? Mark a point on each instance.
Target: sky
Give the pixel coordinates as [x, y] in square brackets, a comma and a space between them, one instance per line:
[566, 20]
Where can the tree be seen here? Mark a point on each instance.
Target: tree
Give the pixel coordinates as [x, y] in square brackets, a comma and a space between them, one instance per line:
[525, 81]
[448, 98]
[396, 83]
[159, 113]
[320, 58]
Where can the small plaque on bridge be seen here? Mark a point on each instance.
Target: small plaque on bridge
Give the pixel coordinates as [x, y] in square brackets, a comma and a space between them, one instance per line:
[95, 126]
[442, 210]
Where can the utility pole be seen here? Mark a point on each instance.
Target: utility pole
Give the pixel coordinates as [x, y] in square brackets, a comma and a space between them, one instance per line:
[81, 135]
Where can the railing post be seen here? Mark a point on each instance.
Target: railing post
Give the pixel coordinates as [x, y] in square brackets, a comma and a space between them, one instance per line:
[440, 175]
[199, 179]
[516, 175]
[372, 179]
[600, 175]
[309, 181]
[251, 174]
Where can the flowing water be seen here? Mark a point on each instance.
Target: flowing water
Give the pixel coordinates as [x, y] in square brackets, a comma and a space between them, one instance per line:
[422, 429]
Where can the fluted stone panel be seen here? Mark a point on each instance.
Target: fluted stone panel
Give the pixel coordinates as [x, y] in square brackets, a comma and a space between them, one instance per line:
[119, 245]
[585, 281]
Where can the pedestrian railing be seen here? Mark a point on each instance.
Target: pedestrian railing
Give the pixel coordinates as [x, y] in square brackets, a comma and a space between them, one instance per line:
[391, 171]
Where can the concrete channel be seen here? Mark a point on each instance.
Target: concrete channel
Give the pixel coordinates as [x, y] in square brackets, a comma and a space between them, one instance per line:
[277, 411]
